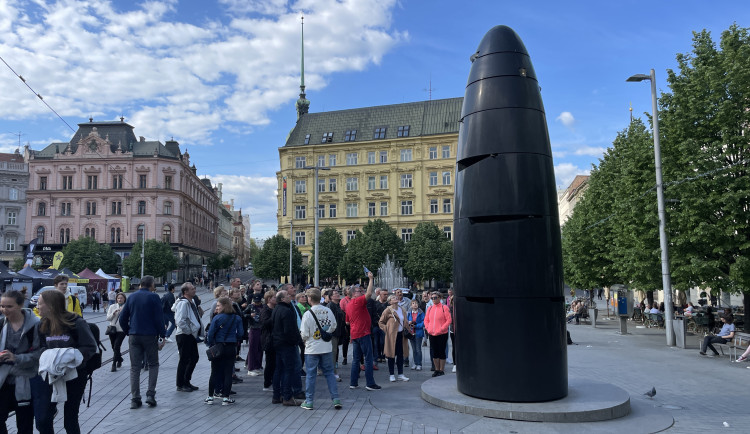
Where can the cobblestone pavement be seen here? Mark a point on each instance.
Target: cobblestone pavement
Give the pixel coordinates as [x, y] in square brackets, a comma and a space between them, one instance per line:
[700, 393]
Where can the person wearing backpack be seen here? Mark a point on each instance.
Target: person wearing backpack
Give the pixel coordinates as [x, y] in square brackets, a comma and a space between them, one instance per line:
[60, 329]
[167, 301]
[72, 303]
[19, 360]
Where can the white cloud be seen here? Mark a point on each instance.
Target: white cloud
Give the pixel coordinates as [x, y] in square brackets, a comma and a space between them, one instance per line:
[566, 118]
[592, 151]
[565, 172]
[256, 195]
[87, 58]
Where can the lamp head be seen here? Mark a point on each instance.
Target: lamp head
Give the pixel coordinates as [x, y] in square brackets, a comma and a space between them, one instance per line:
[638, 77]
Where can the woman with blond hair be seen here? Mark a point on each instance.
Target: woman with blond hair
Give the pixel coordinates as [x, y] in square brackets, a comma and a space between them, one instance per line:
[392, 322]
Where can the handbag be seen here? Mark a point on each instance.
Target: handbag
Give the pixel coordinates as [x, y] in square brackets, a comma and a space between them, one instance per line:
[111, 330]
[216, 350]
[326, 336]
[406, 332]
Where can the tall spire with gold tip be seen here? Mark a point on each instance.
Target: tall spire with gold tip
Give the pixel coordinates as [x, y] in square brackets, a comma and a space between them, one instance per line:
[631, 112]
[303, 105]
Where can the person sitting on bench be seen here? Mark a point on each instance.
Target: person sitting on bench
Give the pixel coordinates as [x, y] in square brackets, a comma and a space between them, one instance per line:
[725, 335]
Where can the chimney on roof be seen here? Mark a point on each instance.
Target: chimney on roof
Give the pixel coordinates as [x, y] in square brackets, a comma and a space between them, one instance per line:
[232, 200]
[143, 139]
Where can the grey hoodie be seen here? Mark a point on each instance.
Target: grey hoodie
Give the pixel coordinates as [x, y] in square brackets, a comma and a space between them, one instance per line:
[27, 357]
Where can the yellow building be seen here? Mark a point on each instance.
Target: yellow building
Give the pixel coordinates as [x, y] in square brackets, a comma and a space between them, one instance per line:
[394, 162]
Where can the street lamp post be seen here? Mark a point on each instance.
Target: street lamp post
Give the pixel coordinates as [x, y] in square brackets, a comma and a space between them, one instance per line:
[315, 185]
[665, 276]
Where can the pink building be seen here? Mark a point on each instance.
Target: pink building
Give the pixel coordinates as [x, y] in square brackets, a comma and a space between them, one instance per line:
[107, 184]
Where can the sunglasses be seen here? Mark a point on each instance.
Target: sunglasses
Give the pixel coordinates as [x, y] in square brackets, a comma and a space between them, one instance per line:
[436, 298]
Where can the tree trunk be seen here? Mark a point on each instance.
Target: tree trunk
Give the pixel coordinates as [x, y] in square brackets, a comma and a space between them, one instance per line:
[746, 305]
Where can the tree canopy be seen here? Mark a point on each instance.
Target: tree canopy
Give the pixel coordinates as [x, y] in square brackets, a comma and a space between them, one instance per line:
[158, 260]
[330, 252]
[272, 261]
[429, 254]
[86, 252]
[369, 248]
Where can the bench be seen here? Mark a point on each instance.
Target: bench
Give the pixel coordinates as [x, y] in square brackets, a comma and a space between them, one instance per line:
[654, 320]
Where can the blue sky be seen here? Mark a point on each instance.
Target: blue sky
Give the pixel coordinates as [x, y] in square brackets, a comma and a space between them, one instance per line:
[222, 76]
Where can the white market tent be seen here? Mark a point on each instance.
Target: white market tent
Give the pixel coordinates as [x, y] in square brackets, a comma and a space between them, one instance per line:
[113, 283]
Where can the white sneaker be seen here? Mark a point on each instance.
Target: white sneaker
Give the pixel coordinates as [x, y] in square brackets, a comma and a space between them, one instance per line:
[252, 373]
[338, 379]
[419, 367]
[393, 378]
[454, 368]
[413, 367]
[402, 378]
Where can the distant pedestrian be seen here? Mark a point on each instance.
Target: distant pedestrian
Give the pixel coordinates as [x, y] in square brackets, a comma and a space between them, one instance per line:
[113, 316]
[142, 320]
[167, 301]
[96, 298]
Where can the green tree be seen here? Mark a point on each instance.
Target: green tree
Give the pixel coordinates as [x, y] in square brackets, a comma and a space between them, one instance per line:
[220, 262]
[86, 252]
[429, 254]
[369, 248]
[272, 260]
[330, 252]
[254, 249]
[159, 259]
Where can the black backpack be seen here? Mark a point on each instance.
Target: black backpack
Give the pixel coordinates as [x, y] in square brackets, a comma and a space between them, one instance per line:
[95, 361]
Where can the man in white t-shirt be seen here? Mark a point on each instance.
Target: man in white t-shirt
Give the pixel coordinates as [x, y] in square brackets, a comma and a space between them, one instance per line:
[317, 351]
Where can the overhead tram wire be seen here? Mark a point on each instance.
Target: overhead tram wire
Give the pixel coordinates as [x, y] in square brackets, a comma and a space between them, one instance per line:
[136, 195]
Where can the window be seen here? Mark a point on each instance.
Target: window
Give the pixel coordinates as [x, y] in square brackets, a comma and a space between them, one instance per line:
[41, 209]
[383, 208]
[371, 157]
[371, 183]
[350, 135]
[167, 208]
[114, 235]
[332, 160]
[446, 178]
[90, 208]
[383, 182]
[351, 159]
[432, 152]
[92, 181]
[10, 242]
[40, 234]
[65, 208]
[168, 182]
[350, 235]
[141, 181]
[67, 182]
[140, 233]
[90, 232]
[403, 131]
[42, 183]
[117, 182]
[447, 232]
[321, 185]
[371, 209]
[166, 234]
[406, 235]
[351, 210]
[299, 238]
[321, 161]
[446, 205]
[64, 236]
[141, 207]
[383, 157]
[300, 186]
[446, 151]
[379, 133]
[332, 210]
[327, 138]
[116, 208]
[406, 155]
[300, 212]
[407, 207]
[332, 184]
[433, 178]
[13, 194]
[352, 184]
[321, 211]
[406, 180]
[433, 206]
[307, 139]
[11, 217]
[299, 162]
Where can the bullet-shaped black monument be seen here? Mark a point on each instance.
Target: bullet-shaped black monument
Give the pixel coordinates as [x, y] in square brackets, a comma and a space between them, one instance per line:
[508, 279]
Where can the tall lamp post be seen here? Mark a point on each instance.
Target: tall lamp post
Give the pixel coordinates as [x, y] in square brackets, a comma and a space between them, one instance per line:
[315, 185]
[665, 276]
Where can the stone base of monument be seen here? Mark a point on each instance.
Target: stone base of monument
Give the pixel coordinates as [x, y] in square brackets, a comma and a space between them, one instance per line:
[587, 401]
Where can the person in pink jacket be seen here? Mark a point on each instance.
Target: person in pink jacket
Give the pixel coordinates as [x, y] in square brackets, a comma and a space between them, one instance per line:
[436, 322]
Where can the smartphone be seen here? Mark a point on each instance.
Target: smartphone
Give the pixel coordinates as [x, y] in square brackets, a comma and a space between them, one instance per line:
[366, 270]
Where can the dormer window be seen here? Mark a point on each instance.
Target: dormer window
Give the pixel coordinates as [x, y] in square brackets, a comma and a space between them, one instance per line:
[350, 135]
[379, 133]
[403, 131]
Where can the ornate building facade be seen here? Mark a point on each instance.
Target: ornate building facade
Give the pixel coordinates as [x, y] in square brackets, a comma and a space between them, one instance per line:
[117, 189]
[14, 179]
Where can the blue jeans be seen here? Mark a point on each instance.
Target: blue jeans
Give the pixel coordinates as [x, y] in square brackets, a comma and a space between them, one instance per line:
[325, 362]
[378, 342]
[416, 349]
[287, 358]
[362, 347]
[169, 319]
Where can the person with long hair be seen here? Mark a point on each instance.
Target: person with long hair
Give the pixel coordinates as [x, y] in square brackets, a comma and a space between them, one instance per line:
[19, 361]
[266, 340]
[392, 322]
[59, 328]
[436, 322]
[226, 330]
[415, 318]
[113, 316]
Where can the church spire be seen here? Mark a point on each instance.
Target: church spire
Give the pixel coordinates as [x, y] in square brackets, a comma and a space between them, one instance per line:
[303, 105]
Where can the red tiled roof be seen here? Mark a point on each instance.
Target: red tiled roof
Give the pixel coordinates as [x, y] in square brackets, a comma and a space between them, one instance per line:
[577, 183]
[11, 158]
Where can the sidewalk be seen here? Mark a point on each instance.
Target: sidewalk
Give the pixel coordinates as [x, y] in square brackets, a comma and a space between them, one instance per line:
[699, 393]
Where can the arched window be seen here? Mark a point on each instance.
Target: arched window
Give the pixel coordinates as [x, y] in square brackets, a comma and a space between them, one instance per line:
[166, 234]
[41, 209]
[141, 232]
[114, 235]
[40, 234]
[91, 232]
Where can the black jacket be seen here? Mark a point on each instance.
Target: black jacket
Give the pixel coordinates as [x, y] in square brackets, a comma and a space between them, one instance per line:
[266, 321]
[340, 316]
[285, 331]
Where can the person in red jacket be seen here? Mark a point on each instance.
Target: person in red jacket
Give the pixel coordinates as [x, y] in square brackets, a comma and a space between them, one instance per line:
[436, 322]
